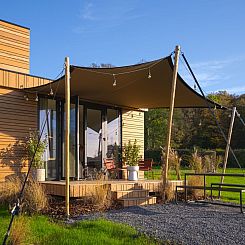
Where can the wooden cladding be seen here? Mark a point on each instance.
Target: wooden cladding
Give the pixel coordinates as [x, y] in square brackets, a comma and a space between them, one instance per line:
[17, 118]
[133, 128]
[19, 80]
[14, 47]
[86, 188]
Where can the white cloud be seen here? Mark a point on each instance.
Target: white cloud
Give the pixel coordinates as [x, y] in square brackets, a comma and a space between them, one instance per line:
[218, 64]
[211, 73]
[87, 12]
[96, 19]
[235, 90]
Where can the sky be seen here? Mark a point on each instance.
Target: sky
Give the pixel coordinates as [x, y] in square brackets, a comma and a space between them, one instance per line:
[211, 34]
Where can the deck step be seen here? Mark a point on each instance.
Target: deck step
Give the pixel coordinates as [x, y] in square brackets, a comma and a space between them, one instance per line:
[128, 202]
[135, 193]
[126, 186]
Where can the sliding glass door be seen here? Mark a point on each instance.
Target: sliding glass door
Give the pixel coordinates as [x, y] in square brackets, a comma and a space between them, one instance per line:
[113, 134]
[94, 138]
[72, 142]
[81, 143]
[47, 125]
[103, 138]
[94, 135]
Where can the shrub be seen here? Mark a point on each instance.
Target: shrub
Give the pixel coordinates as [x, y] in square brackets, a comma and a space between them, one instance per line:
[10, 190]
[99, 196]
[195, 181]
[153, 154]
[36, 148]
[34, 198]
[208, 165]
[185, 154]
[130, 153]
[218, 162]
[174, 161]
[240, 154]
[169, 192]
[196, 162]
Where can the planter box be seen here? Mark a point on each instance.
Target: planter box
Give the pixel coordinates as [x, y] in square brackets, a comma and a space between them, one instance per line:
[38, 174]
[133, 172]
[125, 174]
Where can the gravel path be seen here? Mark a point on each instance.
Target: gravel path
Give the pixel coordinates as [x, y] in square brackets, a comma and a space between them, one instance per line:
[184, 223]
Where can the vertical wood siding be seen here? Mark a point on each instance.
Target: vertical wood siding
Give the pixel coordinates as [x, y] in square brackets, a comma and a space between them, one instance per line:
[133, 128]
[19, 80]
[17, 118]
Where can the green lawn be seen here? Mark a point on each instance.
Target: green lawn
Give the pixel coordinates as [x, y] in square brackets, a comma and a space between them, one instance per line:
[45, 231]
[226, 196]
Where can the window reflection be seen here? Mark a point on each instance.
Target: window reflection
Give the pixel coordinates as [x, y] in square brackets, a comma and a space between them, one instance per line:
[113, 134]
[94, 137]
[81, 142]
[47, 120]
[72, 141]
[95, 141]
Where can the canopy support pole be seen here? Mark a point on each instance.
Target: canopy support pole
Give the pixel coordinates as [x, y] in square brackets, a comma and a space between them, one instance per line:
[227, 149]
[67, 134]
[170, 119]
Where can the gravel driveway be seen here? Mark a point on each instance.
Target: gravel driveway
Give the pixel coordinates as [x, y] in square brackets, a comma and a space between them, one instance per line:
[184, 223]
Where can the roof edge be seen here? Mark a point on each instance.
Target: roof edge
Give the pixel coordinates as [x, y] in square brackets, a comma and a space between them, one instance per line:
[115, 67]
[25, 74]
[194, 91]
[11, 23]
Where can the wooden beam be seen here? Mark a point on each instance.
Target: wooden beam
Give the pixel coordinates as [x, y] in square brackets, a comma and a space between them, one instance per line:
[67, 134]
[170, 118]
[227, 149]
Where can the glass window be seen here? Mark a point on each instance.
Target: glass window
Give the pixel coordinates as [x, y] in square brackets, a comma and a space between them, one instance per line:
[94, 138]
[81, 142]
[72, 141]
[47, 123]
[113, 134]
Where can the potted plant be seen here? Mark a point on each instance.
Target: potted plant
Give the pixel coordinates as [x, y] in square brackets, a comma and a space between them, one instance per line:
[131, 158]
[37, 149]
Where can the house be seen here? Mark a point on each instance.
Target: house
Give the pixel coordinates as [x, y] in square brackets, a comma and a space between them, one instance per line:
[22, 112]
[105, 107]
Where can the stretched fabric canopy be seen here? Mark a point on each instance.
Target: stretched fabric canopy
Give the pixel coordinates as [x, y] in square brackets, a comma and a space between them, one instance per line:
[146, 85]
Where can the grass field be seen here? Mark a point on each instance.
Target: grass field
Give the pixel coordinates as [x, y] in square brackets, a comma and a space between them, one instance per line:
[226, 196]
[41, 230]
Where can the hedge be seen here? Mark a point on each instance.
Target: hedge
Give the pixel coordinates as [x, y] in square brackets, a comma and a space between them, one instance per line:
[186, 153]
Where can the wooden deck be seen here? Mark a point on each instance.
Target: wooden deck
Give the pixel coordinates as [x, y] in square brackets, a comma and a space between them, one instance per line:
[84, 188]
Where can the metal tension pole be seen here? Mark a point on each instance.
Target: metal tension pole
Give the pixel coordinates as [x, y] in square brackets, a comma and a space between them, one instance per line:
[170, 118]
[67, 134]
[227, 149]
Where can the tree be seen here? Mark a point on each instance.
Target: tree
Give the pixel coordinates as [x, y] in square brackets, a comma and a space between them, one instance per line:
[102, 65]
[196, 126]
[155, 128]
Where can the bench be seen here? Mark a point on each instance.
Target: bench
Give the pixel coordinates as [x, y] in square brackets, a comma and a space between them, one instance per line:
[229, 188]
[241, 186]
[228, 184]
[146, 165]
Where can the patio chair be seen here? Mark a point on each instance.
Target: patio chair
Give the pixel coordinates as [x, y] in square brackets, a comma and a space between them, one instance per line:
[146, 165]
[110, 167]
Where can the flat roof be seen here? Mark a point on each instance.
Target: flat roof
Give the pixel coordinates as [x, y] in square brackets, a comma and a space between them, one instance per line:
[15, 24]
